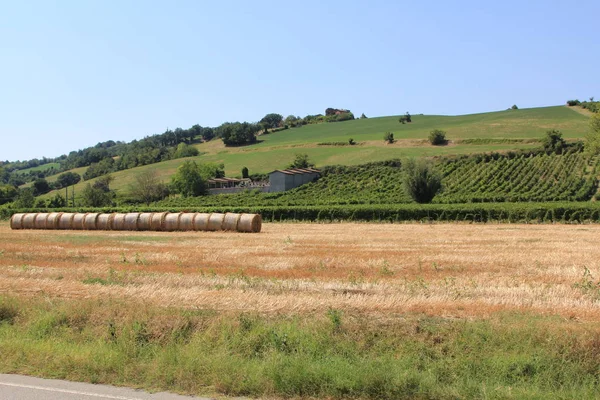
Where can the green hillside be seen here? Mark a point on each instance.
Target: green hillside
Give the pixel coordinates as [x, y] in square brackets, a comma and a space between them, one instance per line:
[475, 133]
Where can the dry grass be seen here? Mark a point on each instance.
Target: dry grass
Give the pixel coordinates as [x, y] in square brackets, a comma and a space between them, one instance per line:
[450, 270]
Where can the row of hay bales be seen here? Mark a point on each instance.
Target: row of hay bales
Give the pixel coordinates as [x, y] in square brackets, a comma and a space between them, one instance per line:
[162, 221]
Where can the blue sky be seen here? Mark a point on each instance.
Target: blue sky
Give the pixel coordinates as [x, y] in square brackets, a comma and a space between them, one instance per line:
[74, 73]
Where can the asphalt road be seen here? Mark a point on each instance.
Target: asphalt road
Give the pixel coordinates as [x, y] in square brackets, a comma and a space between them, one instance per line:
[18, 387]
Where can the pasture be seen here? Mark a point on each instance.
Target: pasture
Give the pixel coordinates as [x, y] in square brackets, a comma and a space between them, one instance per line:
[309, 310]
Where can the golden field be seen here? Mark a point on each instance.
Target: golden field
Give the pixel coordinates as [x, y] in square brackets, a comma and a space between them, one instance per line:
[447, 270]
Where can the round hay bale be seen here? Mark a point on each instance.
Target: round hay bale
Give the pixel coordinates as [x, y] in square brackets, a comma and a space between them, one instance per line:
[90, 220]
[171, 222]
[186, 221]
[118, 222]
[52, 220]
[201, 221]
[40, 221]
[16, 221]
[250, 223]
[215, 222]
[156, 224]
[104, 222]
[230, 221]
[78, 220]
[65, 221]
[131, 221]
[28, 220]
[144, 221]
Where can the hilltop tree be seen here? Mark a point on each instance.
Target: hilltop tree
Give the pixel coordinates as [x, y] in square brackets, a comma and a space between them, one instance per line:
[271, 121]
[236, 134]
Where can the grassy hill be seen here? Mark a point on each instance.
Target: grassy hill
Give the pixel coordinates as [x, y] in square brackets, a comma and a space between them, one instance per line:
[475, 133]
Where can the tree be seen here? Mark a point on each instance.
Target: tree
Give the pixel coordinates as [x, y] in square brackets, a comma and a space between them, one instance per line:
[25, 198]
[245, 173]
[363, 116]
[514, 107]
[99, 194]
[388, 137]
[271, 120]
[67, 179]
[405, 118]
[57, 202]
[7, 193]
[592, 142]
[437, 137]
[421, 181]
[188, 180]
[301, 161]
[185, 150]
[553, 142]
[40, 186]
[147, 187]
[236, 134]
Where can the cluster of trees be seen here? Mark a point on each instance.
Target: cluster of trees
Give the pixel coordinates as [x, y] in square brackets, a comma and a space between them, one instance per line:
[593, 106]
[238, 133]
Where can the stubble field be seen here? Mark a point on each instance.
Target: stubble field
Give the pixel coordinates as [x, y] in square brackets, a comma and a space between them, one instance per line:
[309, 310]
[456, 270]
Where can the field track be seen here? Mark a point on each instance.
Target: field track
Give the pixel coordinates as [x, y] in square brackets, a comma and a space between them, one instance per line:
[448, 270]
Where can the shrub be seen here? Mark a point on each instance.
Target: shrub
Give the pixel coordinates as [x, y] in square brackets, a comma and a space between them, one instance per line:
[553, 142]
[389, 137]
[351, 142]
[421, 181]
[514, 107]
[572, 103]
[437, 137]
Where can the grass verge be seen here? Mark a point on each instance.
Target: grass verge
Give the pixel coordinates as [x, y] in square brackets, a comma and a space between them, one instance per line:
[335, 355]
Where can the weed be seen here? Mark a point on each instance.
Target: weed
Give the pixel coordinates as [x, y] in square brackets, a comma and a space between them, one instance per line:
[335, 316]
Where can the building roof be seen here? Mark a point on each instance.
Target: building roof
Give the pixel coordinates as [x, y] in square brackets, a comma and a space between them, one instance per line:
[226, 180]
[297, 171]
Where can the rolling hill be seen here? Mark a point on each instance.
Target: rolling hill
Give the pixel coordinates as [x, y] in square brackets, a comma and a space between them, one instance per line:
[474, 133]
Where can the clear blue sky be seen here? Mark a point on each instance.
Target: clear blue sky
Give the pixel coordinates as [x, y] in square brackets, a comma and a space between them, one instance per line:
[73, 73]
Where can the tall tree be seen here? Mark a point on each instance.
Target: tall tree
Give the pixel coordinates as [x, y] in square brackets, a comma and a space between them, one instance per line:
[147, 187]
[188, 180]
[272, 120]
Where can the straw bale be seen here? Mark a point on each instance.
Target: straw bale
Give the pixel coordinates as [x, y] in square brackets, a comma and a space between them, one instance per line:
[144, 221]
[66, 221]
[186, 221]
[230, 221]
[250, 223]
[118, 222]
[201, 221]
[131, 221]
[104, 222]
[78, 221]
[28, 220]
[156, 224]
[40, 221]
[215, 222]
[52, 220]
[171, 222]
[90, 221]
[16, 221]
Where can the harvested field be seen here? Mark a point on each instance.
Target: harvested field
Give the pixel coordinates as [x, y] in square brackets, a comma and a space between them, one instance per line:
[448, 270]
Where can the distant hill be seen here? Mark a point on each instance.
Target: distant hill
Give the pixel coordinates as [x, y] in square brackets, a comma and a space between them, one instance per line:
[327, 143]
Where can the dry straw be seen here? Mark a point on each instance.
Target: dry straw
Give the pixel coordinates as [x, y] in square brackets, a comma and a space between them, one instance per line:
[156, 224]
[16, 221]
[28, 221]
[250, 223]
[104, 222]
[65, 221]
[144, 221]
[90, 221]
[186, 221]
[171, 222]
[201, 221]
[230, 221]
[215, 222]
[118, 222]
[131, 221]
[40, 221]
[78, 221]
[52, 220]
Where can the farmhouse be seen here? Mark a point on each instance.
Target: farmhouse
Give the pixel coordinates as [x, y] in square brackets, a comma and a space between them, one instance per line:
[286, 179]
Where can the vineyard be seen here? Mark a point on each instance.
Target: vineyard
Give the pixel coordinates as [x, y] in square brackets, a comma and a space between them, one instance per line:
[515, 178]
